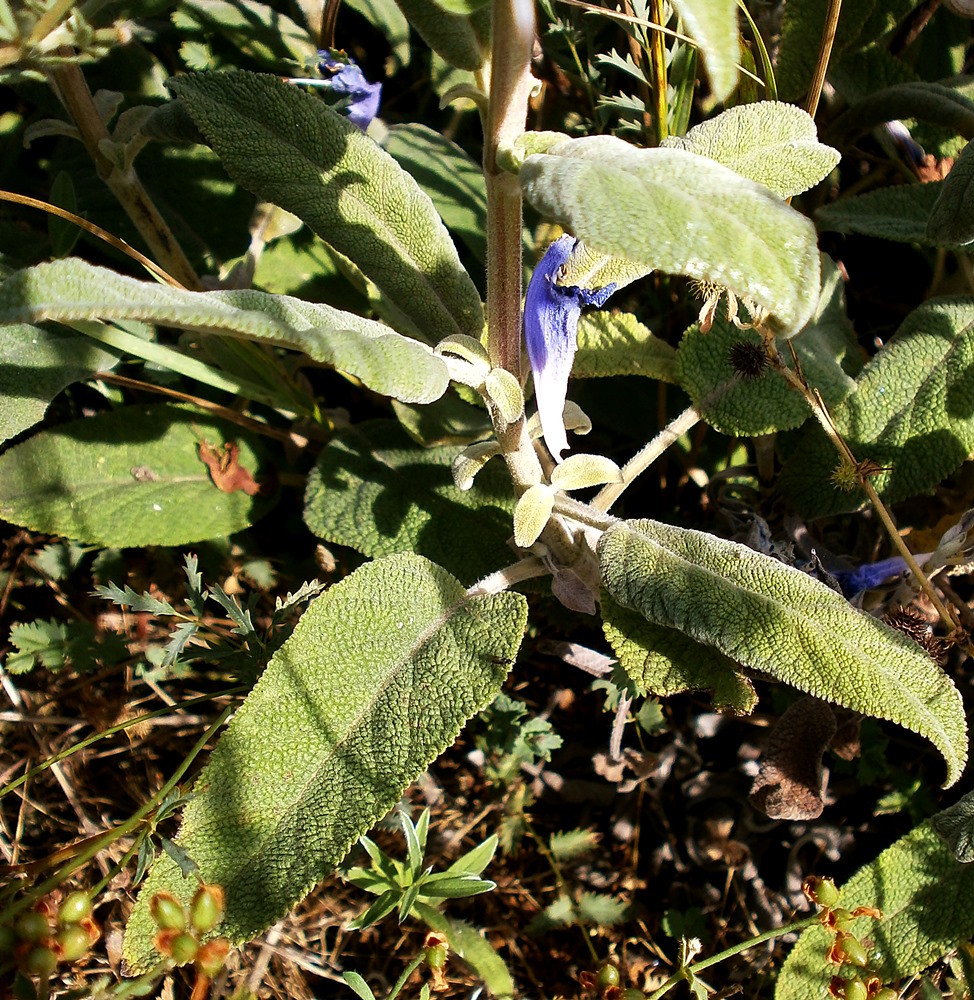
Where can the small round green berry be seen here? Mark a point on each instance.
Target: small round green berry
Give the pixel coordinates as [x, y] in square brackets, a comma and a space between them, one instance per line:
[607, 976]
[167, 912]
[39, 961]
[183, 948]
[71, 943]
[74, 908]
[206, 910]
[32, 926]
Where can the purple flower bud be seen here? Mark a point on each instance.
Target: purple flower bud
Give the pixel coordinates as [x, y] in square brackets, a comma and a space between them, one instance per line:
[551, 313]
[348, 79]
[869, 575]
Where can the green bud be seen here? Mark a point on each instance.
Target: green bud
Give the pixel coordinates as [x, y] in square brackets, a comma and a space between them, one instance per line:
[74, 908]
[206, 910]
[183, 948]
[855, 989]
[821, 891]
[32, 926]
[852, 949]
[841, 919]
[70, 943]
[39, 961]
[606, 977]
[436, 956]
[167, 912]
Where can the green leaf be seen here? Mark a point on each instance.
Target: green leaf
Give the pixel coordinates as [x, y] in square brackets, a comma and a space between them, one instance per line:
[770, 142]
[35, 365]
[927, 899]
[383, 359]
[375, 490]
[348, 190]
[618, 344]
[741, 406]
[665, 661]
[128, 598]
[603, 911]
[911, 414]
[386, 16]
[459, 39]
[898, 213]
[569, 844]
[713, 25]
[357, 703]
[772, 617]
[358, 985]
[132, 477]
[680, 213]
[863, 23]
[929, 102]
[952, 218]
[532, 513]
[454, 181]
[956, 826]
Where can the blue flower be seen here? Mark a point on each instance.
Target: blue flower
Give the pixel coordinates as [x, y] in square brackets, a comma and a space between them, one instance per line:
[869, 575]
[551, 313]
[348, 79]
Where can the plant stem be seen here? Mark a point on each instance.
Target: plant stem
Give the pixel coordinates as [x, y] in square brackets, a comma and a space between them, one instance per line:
[657, 56]
[510, 87]
[736, 949]
[641, 461]
[824, 54]
[72, 89]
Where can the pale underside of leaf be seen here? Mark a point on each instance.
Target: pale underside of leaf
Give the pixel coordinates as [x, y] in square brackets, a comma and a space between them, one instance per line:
[677, 212]
[355, 705]
[771, 617]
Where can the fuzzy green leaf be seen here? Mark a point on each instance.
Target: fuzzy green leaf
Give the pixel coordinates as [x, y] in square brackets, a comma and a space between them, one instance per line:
[132, 477]
[713, 25]
[665, 661]
[956, 825]
[567, 845]
[927, 899]
[773, 143]
[677, 212]
[383, 359]
[952, 218]
[454, 181]
[471, 945]
[377, 491]
[35, 365]
[532, 513]
[290, 148]
[461, 39]
[892, 213]
[912, 413]
[936, 103]
[618, 344]
[740, 406]
[358, 701]
[772, 617]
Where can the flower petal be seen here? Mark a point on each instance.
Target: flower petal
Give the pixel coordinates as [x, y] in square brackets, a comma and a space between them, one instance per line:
[349, 79]
[551, 313]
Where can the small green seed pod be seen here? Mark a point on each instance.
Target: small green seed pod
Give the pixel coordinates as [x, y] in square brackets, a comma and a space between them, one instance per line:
[206, 910]
[71, 943]
[39, 961]
[183, 948]
[74, 908]
[851, 947]
[607, 976]
[32, 926]
[821, 891]
[855, 989]
[167, 912]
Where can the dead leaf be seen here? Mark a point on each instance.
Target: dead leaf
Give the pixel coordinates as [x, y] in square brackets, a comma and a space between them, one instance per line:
[225, 470]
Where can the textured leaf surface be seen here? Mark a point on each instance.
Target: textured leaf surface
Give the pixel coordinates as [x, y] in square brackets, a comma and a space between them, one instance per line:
[128, 478]
[378, 678]
[770, 142]
[664, 661]
[936, 103]
[952, 218]
[378, 492]
[35, 365]
[912, 413]
[747, 406]
[956, 826]
[927, 899]
[618, 344]
[454, 181]
[863, 22]
[772, 617]
[288, 147]
[383, 359]
[457, 38]
[713, 25]
[680, 213]
[893, 213]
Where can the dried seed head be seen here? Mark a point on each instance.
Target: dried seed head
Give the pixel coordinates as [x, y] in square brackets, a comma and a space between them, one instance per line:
[912, 624]
[748, 360]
